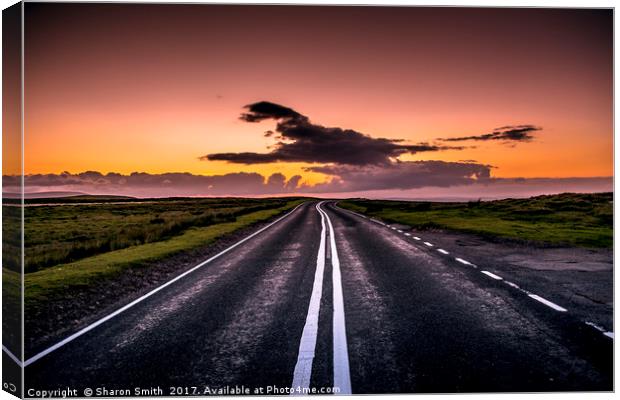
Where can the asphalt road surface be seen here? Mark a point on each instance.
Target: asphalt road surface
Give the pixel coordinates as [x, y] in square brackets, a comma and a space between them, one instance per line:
[326, 298]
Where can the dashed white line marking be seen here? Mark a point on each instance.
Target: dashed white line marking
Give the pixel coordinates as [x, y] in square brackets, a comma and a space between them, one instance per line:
[392, 228]
[342, 374]
[149, 294]
[464, 262]
[307, 344]
[600, 329]
[407, 234]
[547, 302]
[497, 277]
[514, 285]
[399, 231]
[492, 275]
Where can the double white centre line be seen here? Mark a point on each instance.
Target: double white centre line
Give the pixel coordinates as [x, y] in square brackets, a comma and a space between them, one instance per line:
[303, 368]
[307, 345]
[342, 376]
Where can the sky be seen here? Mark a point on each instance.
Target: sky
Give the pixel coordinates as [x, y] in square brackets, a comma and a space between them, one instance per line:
[160, 100]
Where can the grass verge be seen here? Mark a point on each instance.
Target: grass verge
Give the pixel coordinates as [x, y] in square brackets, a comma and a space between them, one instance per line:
[584, 220]
[66, 231]
[43, 286]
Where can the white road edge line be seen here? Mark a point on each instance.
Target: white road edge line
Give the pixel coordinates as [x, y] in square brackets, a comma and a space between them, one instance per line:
[442, 251]
[547, 302]
[149, 294]
[492, 275]
[342, 374]
[12, 356]
[307, 344]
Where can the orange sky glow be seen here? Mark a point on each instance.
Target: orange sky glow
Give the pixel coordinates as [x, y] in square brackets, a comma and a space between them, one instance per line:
[151, 88]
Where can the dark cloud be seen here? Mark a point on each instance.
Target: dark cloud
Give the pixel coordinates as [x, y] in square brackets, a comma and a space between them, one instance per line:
[516, 133]
[402, 175]
[300, 140]
[266, 110]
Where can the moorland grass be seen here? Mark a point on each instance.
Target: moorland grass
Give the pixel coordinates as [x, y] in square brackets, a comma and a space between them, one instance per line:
[46, 284]
[56, 234]
[11, 238]
[584, 220]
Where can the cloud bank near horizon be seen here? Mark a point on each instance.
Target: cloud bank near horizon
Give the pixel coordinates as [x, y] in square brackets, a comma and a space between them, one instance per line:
[422, 179]
[403, 175]
[158, 185]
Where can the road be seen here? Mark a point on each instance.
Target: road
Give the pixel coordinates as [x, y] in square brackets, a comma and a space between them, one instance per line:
[326, 298]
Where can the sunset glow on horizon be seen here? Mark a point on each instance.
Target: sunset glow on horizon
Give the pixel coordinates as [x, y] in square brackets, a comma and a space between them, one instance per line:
[153, 88]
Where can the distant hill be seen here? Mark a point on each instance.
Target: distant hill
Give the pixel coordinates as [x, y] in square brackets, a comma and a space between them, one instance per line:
[42, 195]
[62, 197]
[98, 197]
